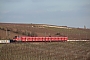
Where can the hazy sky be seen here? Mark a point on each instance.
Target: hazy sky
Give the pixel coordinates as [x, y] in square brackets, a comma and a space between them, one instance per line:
[73, 13]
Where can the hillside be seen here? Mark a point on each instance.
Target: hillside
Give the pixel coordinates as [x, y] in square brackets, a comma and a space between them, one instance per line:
[44, 50]
[14, 29]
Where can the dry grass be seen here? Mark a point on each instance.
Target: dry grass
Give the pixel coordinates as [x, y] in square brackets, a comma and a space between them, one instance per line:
[46, 51]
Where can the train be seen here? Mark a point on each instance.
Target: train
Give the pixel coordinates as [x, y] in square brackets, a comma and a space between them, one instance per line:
[39, 39]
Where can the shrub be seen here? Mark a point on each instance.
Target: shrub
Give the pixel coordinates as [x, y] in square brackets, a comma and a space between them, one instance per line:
[33, 34]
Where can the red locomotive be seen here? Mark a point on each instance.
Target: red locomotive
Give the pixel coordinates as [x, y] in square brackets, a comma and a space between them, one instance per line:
[39, 39]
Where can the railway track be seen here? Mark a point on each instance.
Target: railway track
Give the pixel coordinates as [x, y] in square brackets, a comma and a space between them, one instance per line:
[8, 41]
[78, 40]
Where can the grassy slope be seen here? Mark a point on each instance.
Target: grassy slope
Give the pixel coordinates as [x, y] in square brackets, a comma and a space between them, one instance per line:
[71, 33]
[46, 51]
[3, 35]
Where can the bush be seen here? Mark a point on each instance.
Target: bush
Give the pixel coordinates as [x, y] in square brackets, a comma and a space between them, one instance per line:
[33, 34]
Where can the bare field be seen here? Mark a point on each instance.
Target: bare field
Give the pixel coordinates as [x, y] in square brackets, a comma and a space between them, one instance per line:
[45, 51]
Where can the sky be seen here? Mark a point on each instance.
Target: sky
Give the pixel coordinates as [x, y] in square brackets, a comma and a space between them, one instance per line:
[72, 13]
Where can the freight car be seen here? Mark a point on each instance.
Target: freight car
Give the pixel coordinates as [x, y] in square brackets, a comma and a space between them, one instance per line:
[39, 39]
